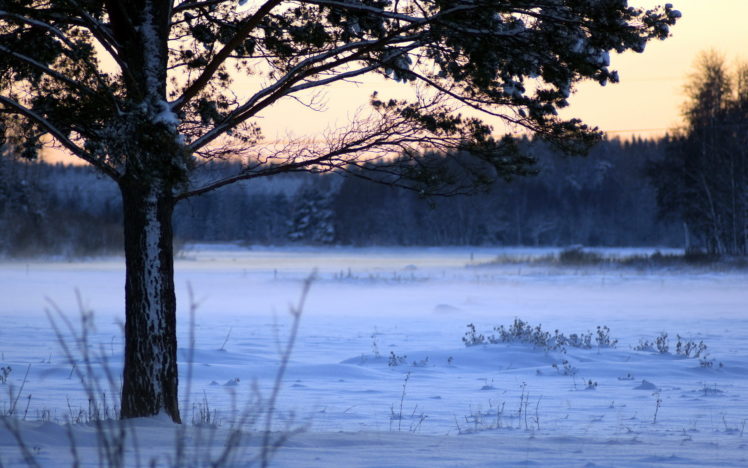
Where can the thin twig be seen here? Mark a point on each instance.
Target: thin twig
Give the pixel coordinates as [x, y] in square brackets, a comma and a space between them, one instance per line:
[285, 357]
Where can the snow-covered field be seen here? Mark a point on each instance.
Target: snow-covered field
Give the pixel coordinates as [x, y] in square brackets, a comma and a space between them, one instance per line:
[442, 404]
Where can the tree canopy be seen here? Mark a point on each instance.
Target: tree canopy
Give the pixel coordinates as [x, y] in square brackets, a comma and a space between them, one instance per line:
[108, 78]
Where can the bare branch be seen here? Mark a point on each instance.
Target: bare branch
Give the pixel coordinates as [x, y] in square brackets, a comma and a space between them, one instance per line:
[477, 104]
[360, 7]
[366, 139]
[353, 73]
[284, 86]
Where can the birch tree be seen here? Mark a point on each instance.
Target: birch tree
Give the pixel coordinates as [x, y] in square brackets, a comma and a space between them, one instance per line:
[148, 91]
[704, 179]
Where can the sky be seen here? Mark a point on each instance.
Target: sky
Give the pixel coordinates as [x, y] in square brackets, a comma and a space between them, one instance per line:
[649, 98]
[647, 102]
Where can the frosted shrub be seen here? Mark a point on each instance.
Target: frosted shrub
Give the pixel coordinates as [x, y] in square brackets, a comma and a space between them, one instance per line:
[396, 360]
[689, 348]
[659, 345]
[583, 341]
[473, 338]
[603, 339]
[4, 373]
[522, 332]
[683, 347]
[565, 368]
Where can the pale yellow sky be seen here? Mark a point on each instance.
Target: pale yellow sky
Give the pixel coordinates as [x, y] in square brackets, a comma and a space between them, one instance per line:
[649, 98]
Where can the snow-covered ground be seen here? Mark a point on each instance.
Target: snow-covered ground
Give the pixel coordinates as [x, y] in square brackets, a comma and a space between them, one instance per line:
[442, 404]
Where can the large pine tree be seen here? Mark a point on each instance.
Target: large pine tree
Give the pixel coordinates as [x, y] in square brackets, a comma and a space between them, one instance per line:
[144, 91]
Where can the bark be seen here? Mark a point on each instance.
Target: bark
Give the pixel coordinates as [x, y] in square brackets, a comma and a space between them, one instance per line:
[150, 370]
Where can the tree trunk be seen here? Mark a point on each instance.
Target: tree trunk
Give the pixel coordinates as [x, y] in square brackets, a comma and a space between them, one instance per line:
[150, 371]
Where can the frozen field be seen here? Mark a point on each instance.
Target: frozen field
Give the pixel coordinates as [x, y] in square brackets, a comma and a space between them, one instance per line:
[379, 375]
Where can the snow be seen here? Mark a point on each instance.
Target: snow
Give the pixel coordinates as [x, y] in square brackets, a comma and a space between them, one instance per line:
[152, 281]
[161, 110]
[166, 116]
[152, 54]
[441, 405]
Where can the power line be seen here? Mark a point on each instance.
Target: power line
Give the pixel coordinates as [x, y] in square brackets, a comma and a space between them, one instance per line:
[664, 129]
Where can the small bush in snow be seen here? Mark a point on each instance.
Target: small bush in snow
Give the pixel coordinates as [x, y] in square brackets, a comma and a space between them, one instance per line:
[396, 360]
[659, 345]
[4, 373]
[421, 363]
[566, 368]
[689, 348]
[473, 338]
[683, 347]
[603, 339]
[522, 332]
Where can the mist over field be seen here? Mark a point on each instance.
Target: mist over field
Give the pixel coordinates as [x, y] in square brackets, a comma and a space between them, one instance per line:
[379, 360]
[344, 233]
[603, 199]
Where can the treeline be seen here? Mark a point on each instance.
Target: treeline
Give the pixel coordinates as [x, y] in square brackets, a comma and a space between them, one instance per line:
[604, 199]
[57, 210]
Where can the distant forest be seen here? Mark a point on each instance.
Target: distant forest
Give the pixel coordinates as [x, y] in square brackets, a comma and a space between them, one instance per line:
[603, 199]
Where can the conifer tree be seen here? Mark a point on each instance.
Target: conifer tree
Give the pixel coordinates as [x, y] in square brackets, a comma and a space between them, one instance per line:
[146, 91]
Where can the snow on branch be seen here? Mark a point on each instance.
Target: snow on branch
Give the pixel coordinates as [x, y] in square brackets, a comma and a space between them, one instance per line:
[191, 5]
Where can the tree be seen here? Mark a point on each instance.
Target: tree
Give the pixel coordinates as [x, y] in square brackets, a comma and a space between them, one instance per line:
[704, 179]
[146, 91]
[312, 217]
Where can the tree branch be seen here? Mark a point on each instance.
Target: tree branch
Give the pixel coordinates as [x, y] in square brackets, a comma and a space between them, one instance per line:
[360, 7]
[71, 52]
[105, 39]
[189, 5]
[283, 86]
[60, 137]
[39, 24]
[389, 135]
[477, 104]
[245, 28]
[52, 73]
